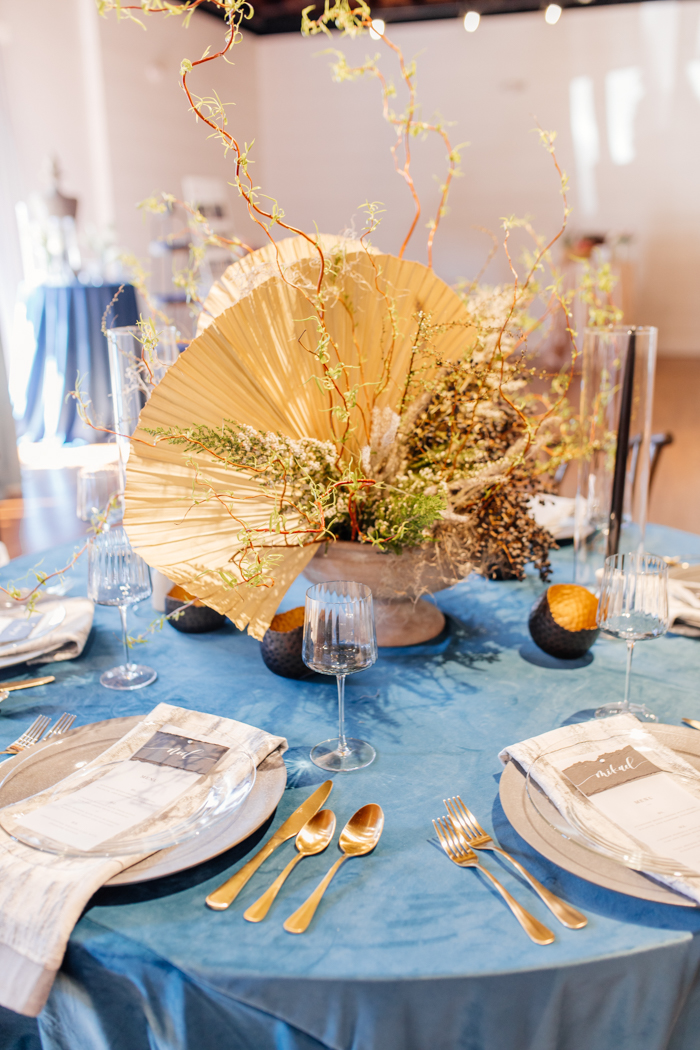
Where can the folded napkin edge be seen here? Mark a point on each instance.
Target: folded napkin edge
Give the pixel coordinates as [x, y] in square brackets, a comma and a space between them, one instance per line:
[25, 985]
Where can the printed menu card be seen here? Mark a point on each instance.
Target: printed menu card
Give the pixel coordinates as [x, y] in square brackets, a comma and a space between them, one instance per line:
[626, 786]
[127, 793]
[660, 812]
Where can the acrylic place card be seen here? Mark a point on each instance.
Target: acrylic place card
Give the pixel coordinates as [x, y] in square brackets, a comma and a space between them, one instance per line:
[127, 794]
[17, 628]
[643, 800]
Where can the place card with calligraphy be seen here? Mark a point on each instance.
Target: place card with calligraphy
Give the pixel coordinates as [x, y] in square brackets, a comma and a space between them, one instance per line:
[653, 805]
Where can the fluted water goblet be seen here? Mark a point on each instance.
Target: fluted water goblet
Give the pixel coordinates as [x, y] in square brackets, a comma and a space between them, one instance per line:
[340, 639]
[118, 576]
[633, 605]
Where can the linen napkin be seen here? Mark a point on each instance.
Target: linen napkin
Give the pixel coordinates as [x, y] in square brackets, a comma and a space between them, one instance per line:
[555, 513]
[683, 604]
[42, 895]
[597, 737]
[65, 642]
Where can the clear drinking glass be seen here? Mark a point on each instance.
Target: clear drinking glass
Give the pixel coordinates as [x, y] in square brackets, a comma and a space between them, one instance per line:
[118, 576]
[633, 605]
[340, 639]
[100, 490]
[135, 368]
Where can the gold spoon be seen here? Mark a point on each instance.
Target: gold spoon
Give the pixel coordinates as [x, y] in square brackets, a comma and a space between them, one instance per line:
[359, 836]
[313, 838]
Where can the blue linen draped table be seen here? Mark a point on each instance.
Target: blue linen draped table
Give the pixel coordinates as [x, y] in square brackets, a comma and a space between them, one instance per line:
[407, 951]
[67, 322]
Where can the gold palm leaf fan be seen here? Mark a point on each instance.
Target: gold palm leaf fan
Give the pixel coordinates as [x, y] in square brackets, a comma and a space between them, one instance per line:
[258, 360]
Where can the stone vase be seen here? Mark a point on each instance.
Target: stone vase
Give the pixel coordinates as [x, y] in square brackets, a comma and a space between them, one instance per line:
[397, 581]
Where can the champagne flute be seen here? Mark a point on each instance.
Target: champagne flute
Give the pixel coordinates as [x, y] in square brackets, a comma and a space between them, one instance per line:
[340, 639]
[118, 576]
[633, 605]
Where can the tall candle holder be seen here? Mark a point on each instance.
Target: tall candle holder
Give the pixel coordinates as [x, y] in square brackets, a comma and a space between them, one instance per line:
[617, 391]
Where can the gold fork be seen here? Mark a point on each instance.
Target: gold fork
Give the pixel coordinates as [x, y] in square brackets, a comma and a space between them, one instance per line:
[466, 858]
[476, 838]
[62, 726]
[29, 736]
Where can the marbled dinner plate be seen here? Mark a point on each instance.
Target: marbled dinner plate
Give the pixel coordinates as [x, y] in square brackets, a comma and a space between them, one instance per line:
[571, 856]
[45, 764]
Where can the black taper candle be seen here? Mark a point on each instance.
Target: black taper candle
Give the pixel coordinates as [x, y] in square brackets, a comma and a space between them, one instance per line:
[623, 441]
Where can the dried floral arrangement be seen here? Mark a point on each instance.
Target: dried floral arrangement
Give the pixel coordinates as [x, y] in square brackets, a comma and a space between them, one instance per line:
[438, 449]
[432, 438]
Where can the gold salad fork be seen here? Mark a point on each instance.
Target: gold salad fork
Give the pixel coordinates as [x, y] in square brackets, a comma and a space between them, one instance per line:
[476, 838]
[62, 726]
[29, 736]
[465, 857]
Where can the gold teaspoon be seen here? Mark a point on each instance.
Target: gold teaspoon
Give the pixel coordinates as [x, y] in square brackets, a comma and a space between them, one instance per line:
[313, 838]
[359, 836]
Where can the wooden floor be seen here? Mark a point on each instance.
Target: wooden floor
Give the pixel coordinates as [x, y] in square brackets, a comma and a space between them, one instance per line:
[46, 515]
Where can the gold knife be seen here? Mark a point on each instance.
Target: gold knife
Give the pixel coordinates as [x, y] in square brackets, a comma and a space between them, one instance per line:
[692, 722]
[27, 683]
[225, 894]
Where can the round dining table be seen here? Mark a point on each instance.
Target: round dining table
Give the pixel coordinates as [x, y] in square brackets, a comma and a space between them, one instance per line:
[407, 951]
[68, 322]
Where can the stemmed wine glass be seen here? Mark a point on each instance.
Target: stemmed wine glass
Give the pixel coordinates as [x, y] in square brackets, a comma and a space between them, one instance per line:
[633, 605]
[118, 576]
[340, 639]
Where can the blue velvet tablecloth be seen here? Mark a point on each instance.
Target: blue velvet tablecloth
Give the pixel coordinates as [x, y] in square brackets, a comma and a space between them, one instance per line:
[407, 951]
[67, 322]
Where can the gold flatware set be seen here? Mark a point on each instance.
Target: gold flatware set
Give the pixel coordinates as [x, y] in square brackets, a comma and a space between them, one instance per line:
[464, 857]
[359, 837]
[460, 835]
[36, 731]
[26, 683]
[313, 829]
[313, 838]
[222, 897]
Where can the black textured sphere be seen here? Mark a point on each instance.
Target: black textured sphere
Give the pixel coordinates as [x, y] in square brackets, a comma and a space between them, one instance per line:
[196, 619]
[281, 652]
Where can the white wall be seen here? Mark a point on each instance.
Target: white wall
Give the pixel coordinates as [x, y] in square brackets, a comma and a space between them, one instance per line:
[322, 148]
[154, 139]
[324, 145]
[104, 97]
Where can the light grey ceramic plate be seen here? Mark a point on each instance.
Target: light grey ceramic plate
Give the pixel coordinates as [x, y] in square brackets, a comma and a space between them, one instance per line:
[46, 764]
[571, 856]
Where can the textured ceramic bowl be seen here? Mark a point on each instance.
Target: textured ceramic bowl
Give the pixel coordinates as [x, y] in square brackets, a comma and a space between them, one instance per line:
[563, 621]
[281, 644]
[402, 617]
[197, 618]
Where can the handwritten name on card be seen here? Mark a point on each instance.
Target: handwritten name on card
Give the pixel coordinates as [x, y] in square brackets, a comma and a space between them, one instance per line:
[181, 752]
[610, 770]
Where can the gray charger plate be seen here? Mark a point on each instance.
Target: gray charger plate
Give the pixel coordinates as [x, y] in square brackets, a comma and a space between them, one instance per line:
[585, 863]
[45, 764]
